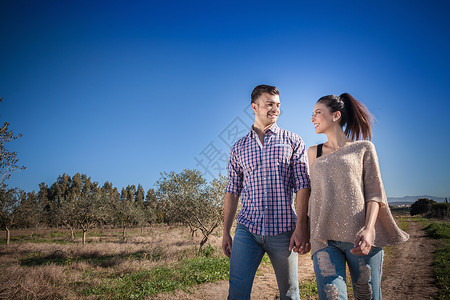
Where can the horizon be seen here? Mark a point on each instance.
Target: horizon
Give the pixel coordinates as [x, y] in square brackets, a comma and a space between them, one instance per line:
[123, 91]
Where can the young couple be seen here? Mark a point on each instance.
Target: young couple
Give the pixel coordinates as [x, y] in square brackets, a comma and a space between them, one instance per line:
[342, 214]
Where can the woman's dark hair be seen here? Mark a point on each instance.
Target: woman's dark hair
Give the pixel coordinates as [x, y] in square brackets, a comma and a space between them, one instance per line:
[354, 115]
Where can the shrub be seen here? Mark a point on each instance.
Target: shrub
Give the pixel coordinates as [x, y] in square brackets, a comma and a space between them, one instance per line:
[440, 210]
[422, 206]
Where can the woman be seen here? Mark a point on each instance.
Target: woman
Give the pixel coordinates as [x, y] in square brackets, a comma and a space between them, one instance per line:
[348, 210]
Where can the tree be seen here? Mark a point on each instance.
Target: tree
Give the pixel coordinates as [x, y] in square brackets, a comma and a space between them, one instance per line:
[44, 203]
[139, 195]
[440, 210]
[212, 215]
[8, 159]
[131, 191]
[65, 193]
[186, 199]
[77, 202]
[126, 212]
[153, 208]
[92, 208]
[142, 211]
[9, 201]
[179, 195]
[28, 212]
[422, 206]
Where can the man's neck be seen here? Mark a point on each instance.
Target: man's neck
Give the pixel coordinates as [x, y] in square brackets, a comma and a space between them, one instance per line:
[260, 130]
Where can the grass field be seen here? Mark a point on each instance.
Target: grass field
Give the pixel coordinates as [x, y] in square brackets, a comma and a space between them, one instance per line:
[49, 265]
[441, 263]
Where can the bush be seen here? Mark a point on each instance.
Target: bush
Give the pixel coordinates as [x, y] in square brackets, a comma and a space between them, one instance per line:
[422, 206]
[440, 210]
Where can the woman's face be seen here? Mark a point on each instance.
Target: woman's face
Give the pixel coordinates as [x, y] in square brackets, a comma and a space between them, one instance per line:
[322, 118]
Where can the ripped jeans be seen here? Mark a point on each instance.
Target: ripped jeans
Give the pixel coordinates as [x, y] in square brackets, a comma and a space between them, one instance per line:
[366, 270]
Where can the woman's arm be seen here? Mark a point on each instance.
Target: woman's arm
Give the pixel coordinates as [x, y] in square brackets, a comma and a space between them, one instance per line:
[312, 154]
[364, 241]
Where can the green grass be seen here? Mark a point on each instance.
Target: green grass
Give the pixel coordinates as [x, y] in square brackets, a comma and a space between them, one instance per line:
[403, 223]
[61, 258]
[421, 220]
[161, 279]
[58, 234]
[36, 239]
[64, 237]
[438, 230]
[266, 260]
[441, 260]
[308, 288]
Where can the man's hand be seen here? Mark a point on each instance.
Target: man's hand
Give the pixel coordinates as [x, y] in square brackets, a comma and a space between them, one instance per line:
[300, 241]
[300, 237]
[227, 242]
[229, 211]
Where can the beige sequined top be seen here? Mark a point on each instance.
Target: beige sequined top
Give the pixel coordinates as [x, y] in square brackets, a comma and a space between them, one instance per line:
[341, 183]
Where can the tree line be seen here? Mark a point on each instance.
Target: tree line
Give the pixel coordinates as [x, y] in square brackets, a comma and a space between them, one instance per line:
[77, 202]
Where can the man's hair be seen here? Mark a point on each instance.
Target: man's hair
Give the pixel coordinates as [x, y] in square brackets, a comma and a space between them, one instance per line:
[260, 89]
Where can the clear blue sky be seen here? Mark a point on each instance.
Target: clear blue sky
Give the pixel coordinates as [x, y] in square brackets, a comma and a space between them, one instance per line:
[124, 90]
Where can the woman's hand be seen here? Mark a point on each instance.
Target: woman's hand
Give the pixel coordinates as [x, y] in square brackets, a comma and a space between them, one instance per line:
[365, 238]
[363, 242]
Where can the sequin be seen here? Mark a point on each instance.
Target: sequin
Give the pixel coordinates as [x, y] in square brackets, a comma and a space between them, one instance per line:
[341, 183]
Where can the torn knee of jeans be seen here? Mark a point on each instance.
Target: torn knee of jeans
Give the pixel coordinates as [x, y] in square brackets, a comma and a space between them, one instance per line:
[331, 291]
[362, 288]
[325, 266]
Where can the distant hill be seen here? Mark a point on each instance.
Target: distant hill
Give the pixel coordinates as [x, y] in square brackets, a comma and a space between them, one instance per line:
[408, 200]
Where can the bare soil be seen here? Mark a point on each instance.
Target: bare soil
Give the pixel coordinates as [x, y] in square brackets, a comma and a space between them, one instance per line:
[407, 274]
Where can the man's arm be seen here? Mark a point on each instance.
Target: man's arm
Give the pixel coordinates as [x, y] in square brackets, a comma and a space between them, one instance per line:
[229, 211]
[300, 238]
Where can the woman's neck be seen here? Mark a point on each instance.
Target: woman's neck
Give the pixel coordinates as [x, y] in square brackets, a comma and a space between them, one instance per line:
[336, 138]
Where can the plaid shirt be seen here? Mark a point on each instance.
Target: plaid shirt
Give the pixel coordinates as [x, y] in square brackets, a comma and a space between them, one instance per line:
[265, 177]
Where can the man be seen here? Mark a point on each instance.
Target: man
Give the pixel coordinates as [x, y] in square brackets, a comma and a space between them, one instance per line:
[264, 169]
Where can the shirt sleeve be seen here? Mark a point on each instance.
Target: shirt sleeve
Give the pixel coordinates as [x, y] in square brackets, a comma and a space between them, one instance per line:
[235, 174]
[300, 166]
[373, 185]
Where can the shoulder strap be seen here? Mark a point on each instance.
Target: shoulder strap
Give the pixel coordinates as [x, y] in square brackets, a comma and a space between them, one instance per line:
[319, 150]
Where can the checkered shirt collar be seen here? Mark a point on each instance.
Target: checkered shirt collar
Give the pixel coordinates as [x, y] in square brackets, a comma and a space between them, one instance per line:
[274, 129]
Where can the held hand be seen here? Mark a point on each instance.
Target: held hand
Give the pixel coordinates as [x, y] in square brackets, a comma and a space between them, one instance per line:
[363, 243]
[227, 242]
[300, 241]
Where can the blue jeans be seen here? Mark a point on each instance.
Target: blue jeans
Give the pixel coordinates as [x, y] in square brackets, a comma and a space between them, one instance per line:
[246, 253]
[365, 271]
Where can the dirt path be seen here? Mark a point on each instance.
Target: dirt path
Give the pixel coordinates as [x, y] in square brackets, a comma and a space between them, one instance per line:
[264, 287]
[407, 274]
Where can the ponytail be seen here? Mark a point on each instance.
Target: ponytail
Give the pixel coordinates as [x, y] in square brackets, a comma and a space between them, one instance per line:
[354, 115]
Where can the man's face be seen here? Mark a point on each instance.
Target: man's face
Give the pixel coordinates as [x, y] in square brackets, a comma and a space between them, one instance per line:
[266, 109]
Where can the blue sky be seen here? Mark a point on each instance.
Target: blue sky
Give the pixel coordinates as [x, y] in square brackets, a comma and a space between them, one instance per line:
[125, 90]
